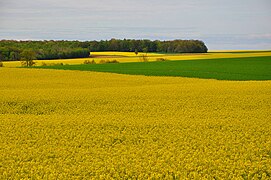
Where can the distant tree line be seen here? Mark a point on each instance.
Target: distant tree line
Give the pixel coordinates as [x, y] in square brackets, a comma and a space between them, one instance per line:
[11, 50]
[131, 45]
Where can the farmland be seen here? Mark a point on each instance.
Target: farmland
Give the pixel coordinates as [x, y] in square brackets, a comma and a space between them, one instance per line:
[132, 57]
[59, 124]
[246, 68]
[135, 90]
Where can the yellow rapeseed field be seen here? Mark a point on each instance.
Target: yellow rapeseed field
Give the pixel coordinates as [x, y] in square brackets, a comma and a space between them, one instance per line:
[58, 124]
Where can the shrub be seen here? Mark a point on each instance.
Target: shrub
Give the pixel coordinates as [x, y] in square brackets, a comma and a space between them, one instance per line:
[27, 63]
[89, 62]
[57, 64]
[1, 64]
[114, 61]
[108, 61]
[52, 64]
[144, 58]
[102, 61]
[161, 59]
[43, 64]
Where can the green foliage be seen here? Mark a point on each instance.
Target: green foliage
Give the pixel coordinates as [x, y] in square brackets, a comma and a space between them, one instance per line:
[136, 52]
[252, 68]
[10, 50]
[8, 53]
[132, 45]
[27, 57]
[145, 50]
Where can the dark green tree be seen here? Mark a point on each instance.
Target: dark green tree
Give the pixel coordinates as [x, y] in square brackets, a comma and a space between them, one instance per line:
[136, 52]
[27, 57]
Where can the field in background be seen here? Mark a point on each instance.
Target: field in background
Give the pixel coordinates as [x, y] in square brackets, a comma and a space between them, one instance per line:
[132, 57]
[250, 68]
[76, 125]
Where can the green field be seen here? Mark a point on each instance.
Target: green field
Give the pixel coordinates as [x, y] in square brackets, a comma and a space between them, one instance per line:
[249, 68]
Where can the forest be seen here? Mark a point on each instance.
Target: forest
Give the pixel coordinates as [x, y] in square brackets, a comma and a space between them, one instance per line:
[12, 50]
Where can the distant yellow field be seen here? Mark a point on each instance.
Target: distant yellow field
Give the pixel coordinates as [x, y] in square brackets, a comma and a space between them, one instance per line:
[127, 54]
[132, 57]
[238, 51]
[87, 125]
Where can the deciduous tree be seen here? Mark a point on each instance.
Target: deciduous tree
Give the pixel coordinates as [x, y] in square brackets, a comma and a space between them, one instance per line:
[27, 57]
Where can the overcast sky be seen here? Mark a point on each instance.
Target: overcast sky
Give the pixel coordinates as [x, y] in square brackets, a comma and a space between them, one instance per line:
[221, 24]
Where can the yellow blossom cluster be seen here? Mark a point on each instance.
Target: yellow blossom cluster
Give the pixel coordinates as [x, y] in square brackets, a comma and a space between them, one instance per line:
[57, 124]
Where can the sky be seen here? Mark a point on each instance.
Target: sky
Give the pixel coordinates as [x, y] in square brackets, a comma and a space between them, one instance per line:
[221, 24]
